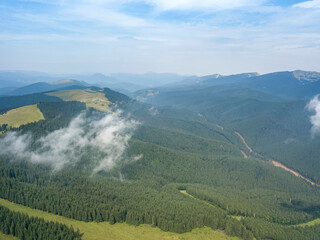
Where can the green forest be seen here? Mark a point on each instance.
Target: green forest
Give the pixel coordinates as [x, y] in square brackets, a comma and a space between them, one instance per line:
[180, 150]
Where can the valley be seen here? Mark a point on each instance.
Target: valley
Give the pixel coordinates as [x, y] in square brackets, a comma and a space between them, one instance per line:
[274, 163]
[277, 164]
[160, 120]
[244, 142]
[191, 162]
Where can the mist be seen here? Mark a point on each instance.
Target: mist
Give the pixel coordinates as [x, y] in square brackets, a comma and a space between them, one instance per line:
[314, 106]
[102, 141]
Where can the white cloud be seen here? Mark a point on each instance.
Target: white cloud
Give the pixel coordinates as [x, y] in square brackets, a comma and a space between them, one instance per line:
[164, 5]
[189, 4]
[107, 36]
[105, 16]
[153, 111]
[204, 4]
[309, 4]
[15, 144]
[314, 106]
[105, 138]
[176, 4]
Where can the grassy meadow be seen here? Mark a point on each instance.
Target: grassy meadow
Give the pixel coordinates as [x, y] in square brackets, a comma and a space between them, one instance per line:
[22, 115]
[311, 223]
[7, 237]
[105, 231]
[96, 100]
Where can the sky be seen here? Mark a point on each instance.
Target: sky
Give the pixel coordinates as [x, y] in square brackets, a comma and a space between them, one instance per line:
[191, 37]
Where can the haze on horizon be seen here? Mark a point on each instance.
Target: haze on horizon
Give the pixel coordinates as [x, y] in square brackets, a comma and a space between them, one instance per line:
[182, 36]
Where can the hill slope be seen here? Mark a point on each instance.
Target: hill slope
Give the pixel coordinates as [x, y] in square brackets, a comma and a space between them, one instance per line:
[43, 87]
[274, 127]
[105, 231]
[20, 116]
[96, 100]
[190, 146]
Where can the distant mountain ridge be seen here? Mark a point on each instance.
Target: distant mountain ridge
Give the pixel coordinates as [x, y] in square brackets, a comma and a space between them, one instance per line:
[43, 87]
[306, 76]
[218, 79]
[124, 82]
[10, 102]
[268, 110]
[291, 85]
[201, 155]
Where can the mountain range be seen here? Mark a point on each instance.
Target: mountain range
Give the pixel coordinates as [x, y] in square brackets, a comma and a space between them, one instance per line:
[235, 154]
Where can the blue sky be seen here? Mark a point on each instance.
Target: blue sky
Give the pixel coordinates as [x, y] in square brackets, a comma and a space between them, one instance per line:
[181, 36]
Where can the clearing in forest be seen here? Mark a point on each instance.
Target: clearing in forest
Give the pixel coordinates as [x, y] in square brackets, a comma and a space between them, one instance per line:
[96, 100]
[119, 231]
[22, 115]
[311, 223]
[244, 154]
[7, 237]
[206, 203]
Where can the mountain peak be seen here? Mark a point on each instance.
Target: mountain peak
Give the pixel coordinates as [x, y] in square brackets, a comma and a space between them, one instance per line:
[306, 76]
[62, 81]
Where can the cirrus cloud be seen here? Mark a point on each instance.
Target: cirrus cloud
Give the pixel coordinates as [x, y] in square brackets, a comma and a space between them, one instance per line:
[204, 4]
[309, 4]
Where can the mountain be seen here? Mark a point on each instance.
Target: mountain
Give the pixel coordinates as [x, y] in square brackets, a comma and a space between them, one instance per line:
[189, 157]
[5, 84]
[19, 78]
[10, 102]
[6, 90]
[93, 78]
[124, 82]
[149, 79]
[276, 127]
[306, 77]
[43, 87]
[292, 85]
[217, 79]
[91, 96]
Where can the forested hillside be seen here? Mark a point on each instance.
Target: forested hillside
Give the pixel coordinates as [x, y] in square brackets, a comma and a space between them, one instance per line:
[176, 168]
[274, 127]
[23, 227]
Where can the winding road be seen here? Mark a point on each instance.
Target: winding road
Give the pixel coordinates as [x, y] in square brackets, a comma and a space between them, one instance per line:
[273, 162]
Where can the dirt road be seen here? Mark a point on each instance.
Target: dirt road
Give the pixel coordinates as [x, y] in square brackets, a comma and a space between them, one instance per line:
[275, 163]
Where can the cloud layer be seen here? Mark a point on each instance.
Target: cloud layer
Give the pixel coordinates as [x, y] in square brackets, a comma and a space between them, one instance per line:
[314, 106]
[309, 4]
[105, 139]
[204, 4]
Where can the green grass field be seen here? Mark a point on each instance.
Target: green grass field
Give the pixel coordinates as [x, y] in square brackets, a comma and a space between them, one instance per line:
[119, 231]
[189, 195]
[7, 237]
[311, 223]
[96, 100]
[22, 115]
[206, 203]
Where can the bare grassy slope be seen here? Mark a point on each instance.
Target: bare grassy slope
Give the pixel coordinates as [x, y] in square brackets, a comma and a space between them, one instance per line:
[96, 100]
[119, 231]
[22, 115]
